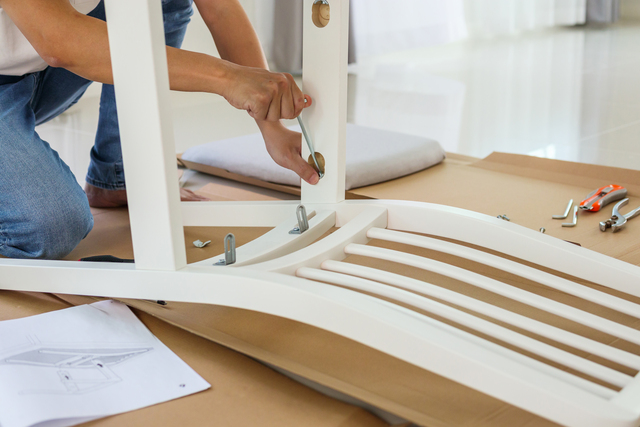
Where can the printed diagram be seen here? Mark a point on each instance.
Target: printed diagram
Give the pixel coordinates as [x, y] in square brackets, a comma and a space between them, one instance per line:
[80, 370]
[85, 362]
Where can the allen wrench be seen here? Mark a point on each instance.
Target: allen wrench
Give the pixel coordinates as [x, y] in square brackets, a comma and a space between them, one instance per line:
[566, 211]
[310, 145]
[575, 218]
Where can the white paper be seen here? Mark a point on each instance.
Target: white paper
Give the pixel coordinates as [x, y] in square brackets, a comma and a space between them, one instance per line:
[74, 365]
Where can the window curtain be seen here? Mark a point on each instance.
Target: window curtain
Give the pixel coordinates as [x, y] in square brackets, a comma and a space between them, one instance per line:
[379, 27]
[487, 18]
[282, 40]
[376, 27]
[383, 26]
[603, 11]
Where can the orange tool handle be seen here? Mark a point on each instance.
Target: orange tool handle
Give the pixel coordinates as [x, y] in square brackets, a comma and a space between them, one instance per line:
[602, 196]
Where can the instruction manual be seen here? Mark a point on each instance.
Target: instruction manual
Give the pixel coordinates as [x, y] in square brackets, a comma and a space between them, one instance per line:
[71, 366]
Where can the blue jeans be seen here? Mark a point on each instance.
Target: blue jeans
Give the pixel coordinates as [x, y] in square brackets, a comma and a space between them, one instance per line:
[44, 213]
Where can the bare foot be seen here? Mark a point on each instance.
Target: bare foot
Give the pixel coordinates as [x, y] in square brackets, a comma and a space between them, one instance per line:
[101, 198]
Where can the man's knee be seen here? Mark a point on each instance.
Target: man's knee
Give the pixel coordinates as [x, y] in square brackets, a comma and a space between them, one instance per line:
[56, 234]
[48, 234]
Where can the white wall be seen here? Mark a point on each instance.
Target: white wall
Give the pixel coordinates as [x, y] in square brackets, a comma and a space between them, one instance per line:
[630, 9]
[199, 39]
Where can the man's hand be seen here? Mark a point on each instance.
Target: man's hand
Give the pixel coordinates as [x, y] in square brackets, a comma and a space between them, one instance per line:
[266, 96]
[248, 85]
[284, 147]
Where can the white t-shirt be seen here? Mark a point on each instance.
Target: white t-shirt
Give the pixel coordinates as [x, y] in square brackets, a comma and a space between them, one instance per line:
[17, 56]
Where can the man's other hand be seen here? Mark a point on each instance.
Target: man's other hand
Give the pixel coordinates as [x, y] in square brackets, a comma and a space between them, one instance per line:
[284, 147]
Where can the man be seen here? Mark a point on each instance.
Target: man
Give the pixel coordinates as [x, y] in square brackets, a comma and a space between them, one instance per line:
[51, 50]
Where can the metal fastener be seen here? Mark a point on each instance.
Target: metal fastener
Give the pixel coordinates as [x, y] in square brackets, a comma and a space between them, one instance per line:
[303, 221]
[566, 211]
[229, 250]
[575, 219]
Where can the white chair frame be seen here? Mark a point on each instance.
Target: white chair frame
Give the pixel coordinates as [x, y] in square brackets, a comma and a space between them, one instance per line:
[274, 273]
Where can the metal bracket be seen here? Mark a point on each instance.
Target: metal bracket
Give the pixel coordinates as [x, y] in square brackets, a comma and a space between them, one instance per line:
[229, 250]
[303, 220]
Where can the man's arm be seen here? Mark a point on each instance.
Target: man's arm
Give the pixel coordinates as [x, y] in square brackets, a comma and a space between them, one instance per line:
[66, 38]
[237, 42]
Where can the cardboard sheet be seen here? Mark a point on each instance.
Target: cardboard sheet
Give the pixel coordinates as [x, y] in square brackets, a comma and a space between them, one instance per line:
[221, 192]
[286, 192]
[237, 177]
[243, 393]
[528, 190]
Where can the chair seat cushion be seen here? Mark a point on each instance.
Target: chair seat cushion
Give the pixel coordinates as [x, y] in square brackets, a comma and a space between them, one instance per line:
[372, 156]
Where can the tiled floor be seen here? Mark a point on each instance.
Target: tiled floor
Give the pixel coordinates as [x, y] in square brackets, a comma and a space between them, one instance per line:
[569, 93]
[565, 93]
